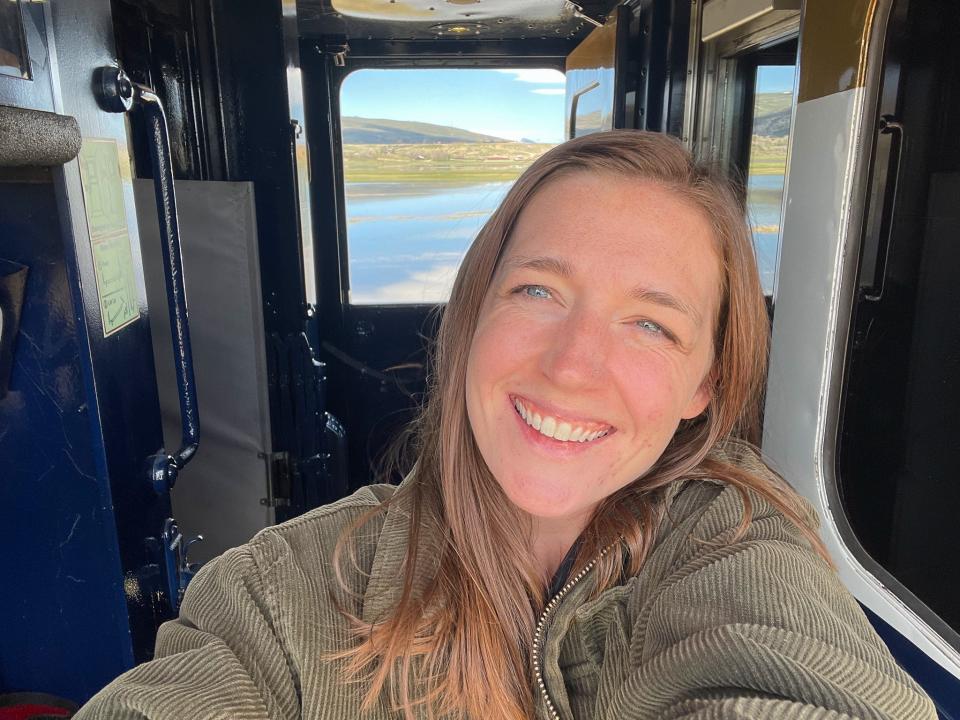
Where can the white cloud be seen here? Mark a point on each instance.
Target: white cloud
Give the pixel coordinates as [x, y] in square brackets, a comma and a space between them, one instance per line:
[550, 91]
[426, 286]
[542, 76]
[409, 259]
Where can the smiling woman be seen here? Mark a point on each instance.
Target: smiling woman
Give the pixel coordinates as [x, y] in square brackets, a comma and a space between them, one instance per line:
[612, 339]
[585, 531]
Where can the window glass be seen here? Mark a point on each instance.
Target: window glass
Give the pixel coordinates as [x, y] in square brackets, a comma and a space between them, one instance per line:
[13, 51]
[295, 95]
[427, 155]
[898, 444]
[772, 105]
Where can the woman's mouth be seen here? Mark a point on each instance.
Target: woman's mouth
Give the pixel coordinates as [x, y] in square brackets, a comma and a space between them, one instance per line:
[559, 428]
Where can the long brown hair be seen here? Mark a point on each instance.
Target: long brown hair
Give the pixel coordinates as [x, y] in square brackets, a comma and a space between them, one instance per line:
[459, 644]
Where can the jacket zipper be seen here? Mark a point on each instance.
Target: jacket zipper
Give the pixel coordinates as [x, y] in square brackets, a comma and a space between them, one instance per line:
[539, 633]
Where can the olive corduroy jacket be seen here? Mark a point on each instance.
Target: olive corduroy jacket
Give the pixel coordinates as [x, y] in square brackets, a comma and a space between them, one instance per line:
[710, 629]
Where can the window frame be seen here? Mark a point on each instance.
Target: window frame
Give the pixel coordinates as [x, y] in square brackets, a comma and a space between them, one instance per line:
[865, 268]
[379, 63]
[719, 118]
[357, 312]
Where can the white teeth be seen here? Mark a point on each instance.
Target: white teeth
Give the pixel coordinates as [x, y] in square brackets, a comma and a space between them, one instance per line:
[548, 426]
[520, 409]
[556, 429]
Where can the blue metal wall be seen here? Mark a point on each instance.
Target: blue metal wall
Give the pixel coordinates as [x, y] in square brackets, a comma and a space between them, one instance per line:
[79, 601]
[65, 622]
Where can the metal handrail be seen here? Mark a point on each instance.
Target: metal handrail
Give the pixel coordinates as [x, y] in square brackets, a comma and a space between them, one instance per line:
[117, 93]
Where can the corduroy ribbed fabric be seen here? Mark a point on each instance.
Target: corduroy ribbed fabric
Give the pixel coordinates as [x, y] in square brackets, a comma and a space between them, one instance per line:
[758, 628]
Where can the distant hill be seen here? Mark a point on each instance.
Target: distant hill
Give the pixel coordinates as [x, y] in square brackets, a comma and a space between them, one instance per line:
[772, 114]
[368, 131]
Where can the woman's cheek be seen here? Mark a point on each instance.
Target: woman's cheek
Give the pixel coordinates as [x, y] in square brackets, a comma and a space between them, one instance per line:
[649, 387]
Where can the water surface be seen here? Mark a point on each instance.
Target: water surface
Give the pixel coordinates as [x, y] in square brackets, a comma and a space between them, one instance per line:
[406, 240]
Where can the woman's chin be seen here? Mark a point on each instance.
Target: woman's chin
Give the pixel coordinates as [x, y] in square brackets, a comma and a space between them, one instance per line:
[544, 499]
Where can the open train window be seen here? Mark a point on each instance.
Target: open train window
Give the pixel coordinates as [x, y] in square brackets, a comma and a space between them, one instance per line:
[771, 107]
[426, 159]
[742, 113]
[898, 448]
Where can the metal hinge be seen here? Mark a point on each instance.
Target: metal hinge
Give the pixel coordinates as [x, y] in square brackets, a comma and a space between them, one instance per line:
[279, 477]
[338, 51]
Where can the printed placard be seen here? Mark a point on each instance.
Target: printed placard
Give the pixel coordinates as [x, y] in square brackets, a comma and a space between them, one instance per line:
[109, 237]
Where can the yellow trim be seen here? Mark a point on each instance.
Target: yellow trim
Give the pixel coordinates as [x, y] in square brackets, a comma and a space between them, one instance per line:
[597, 50]
[833, 46]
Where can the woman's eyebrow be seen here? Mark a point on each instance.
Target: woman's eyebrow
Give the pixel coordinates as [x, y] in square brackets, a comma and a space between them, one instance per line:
[658, 297]
[556, 266]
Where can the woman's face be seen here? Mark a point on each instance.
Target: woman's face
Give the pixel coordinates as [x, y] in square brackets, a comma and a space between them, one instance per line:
[594, 340]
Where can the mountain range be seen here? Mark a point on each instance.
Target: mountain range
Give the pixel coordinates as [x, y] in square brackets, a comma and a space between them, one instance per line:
[772, 114]
[771, 119]
[369, 131]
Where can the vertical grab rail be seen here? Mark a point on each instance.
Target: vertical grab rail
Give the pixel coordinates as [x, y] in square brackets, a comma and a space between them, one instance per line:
[888, 125]
[117, 93]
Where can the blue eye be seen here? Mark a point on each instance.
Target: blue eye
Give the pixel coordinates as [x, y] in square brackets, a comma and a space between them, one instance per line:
[535, 291]
[651, 327]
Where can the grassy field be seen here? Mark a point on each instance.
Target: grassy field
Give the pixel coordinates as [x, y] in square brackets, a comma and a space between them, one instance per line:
[487, 162]
[767, 103]
[450, 162]
[768, 155]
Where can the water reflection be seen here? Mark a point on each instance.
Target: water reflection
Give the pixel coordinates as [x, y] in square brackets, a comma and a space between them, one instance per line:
[407, 239]
[764, 198]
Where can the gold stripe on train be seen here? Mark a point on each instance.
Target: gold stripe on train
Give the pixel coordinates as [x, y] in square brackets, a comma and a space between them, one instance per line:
[833, 46]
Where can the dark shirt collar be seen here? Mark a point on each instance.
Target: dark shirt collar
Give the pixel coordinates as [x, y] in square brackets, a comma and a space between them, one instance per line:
[563, 572]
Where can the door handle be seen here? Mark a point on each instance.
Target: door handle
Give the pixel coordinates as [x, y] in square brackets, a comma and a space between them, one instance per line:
[118, 93]
[881, 211]
[574, 104]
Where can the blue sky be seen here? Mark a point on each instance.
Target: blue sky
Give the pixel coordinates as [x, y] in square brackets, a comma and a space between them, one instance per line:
[775, 78]
[512, 104]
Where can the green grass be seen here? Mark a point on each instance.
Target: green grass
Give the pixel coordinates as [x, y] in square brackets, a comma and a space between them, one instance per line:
[447, 162]
[768, 155]
[769, 103]
[488, 162]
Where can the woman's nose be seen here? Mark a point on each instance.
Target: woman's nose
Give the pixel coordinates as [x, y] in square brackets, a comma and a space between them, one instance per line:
[576, 352]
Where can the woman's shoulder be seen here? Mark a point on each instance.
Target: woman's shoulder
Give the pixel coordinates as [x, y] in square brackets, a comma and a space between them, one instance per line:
[721, 505]
[724, 603]
[310, 539]
[705, 511]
